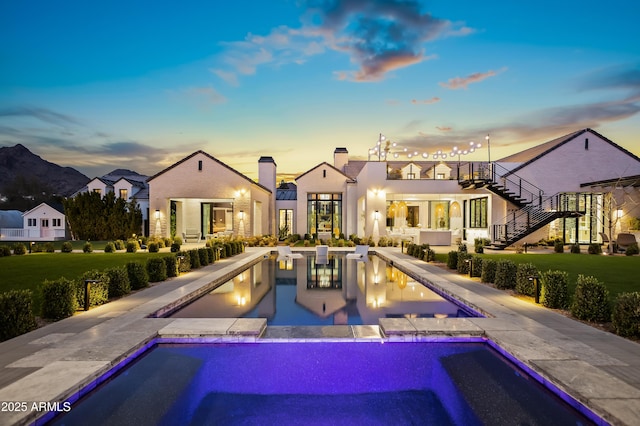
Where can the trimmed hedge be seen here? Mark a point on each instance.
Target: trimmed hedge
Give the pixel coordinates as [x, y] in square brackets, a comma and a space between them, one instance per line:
[87, 247]
[172, 265]
[5, 251]
[555, 289]
[524, 285]
[626, 314]
[184, 264]
[488, 274]
[138, 277]
[132, 246]
[203, 256]
[19, 249]
[67, 247]
[476, 266]
[194, 258]
[463, 265]
[109, 247]
[98, 292]
[157, 269]
[452, 260]
[154, 247]
[118, 282]
[505, 274]
[58, 298]
[16, 314]
[590, 300]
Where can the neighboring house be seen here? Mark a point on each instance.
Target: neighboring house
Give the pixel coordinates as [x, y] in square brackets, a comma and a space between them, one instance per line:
[125, 184]
[200, 196]
[42, 223]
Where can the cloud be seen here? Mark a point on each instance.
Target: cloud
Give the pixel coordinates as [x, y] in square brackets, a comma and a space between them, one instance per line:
[444, 128]
[425, 101]
[42, 114]
[206, 95]
[463, 82]
[378, 36]
[625, 76]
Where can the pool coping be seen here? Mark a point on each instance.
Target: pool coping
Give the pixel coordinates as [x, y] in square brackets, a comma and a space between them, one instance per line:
[64, 362]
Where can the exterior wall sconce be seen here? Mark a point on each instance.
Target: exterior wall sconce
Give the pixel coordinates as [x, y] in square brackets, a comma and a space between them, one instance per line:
[157, 214]
[241, 214]
[376, 215]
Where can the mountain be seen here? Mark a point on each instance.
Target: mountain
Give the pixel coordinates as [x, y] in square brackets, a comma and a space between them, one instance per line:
[23, 171]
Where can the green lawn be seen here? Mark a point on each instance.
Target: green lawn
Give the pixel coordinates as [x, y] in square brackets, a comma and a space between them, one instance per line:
[618, 273]
[29, 271]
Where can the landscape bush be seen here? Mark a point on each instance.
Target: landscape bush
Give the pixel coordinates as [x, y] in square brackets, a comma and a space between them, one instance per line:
[476, 266]
[138, 277]
[118, 282]
[590, 300]
[172, 265]
[19, 249]
[464, 259]
[132, 246]
[505, 274]
[184, 261]
[67, 247]
[49, 247]
[119, 244]
[16, 314]
[594, 248]
[626, 314]
[558, 246]
[203, 256]
[58, 298]
[87, 247]
[157, 269]
[525, 285]
[110, 247]
[452, 260]
[575, 248]
[554, 289]
[153, 247]
[5, 251]
[98, 291]
[488, 274]
[194, 258]
[632, 249]
[480, 243]
[175, 247]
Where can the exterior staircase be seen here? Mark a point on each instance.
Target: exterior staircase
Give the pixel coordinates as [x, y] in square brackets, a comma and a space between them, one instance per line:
[532, 211]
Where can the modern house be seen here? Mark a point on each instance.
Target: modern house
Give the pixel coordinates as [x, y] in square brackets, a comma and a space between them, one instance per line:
[564, 188]
[42, 223]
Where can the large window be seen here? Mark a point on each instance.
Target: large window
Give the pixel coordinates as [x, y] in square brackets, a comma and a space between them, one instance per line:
[124, 194]
[324, 214]
[478, 213]
[285, 223]
[217, 217]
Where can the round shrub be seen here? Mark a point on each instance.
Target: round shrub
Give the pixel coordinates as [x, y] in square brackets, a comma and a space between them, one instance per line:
[118, 282]
[524, 285]
[132, 246]
[138, 277]
[488, 274]
[109, 247]
[632, 249]
[5, 251]
[172, 265]
[119, 244]
[87, 247]
[175, 247]
[49, 247]
[177, 240]
[575, 248]
[626, 314]
[157, 269]
[58, 298]
[558, 246]
[194, 258]
[98, 291]
[590, 300]
[463, 262]
[19, 249]
[16, 314]
[452, 260]
[67, 247]
[594, 248]
[153, 247]
[555, 289]
[505, 274]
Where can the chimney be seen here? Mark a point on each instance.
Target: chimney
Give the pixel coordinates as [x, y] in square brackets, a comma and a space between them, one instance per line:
[340, 158]
[267, 173]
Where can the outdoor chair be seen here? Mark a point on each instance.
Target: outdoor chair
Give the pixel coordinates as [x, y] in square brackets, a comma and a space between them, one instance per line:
[285, 252]
[360, 252]
[624, 240]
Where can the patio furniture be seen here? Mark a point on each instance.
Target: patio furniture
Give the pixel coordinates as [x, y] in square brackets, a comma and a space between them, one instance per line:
[360, 252]
[285, 252]
[624, 240]
[191, 234]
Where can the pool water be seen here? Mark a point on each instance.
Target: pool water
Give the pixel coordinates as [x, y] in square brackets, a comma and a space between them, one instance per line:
[307, 383]
[335, 291]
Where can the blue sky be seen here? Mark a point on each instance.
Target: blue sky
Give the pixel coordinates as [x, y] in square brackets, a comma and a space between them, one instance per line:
[103, 85]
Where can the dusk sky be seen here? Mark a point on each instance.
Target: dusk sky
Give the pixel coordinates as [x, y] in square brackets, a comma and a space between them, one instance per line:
[140, 84]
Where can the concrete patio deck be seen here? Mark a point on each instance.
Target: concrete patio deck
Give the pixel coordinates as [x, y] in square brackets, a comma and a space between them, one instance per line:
[600, 370]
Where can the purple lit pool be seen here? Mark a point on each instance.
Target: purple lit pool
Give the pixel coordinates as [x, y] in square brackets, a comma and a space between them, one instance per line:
[306, 383]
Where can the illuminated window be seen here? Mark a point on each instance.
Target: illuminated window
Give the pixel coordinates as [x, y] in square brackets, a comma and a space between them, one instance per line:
[478, 213]
[124, 194]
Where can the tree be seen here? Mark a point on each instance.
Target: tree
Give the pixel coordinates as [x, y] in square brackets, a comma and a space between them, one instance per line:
[92, 217]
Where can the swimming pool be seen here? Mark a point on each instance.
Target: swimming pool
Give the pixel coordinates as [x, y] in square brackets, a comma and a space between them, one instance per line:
[322, 383]
[335, 291]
